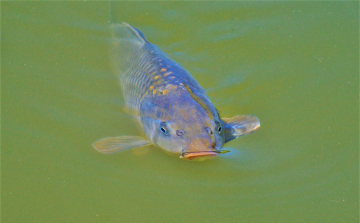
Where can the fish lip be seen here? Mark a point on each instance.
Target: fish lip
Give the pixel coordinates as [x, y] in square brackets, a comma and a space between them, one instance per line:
[191, 155]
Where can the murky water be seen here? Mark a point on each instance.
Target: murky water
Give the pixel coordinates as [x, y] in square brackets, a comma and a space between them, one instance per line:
[293, 65]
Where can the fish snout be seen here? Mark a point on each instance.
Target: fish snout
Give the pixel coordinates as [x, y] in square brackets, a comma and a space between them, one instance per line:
[199, 147]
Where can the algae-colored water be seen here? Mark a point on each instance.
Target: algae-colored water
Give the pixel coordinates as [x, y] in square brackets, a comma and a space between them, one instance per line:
[294, 65]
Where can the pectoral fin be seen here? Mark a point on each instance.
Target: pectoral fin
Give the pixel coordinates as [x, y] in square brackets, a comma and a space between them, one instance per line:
[240, 125]
[117, 144]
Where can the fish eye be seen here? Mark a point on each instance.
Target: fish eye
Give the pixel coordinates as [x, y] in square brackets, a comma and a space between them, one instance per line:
[179, 133]
[163, 128]
[208, 130]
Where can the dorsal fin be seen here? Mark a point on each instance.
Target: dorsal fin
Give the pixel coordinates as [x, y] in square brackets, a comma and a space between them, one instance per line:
[137, 32]
[126, 31]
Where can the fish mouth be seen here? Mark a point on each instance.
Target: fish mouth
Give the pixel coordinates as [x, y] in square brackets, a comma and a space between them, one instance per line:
[202, 154]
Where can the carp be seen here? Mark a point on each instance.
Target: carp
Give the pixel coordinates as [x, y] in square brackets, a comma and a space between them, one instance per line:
[171, 107]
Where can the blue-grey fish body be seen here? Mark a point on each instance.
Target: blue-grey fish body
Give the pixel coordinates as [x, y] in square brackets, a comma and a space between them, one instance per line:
[172, 108]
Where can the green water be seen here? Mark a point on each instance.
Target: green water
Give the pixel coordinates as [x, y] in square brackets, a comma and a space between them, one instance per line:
[294, 65]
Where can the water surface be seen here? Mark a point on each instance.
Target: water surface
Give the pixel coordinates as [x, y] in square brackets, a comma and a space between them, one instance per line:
[293, 65]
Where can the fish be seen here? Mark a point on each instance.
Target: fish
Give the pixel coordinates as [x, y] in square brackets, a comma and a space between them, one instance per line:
[172, 109]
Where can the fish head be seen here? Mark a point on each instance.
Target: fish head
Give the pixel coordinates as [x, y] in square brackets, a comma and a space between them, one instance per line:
[179, 125]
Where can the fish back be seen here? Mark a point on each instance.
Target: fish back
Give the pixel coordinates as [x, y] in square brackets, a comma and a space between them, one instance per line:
[144, 70]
